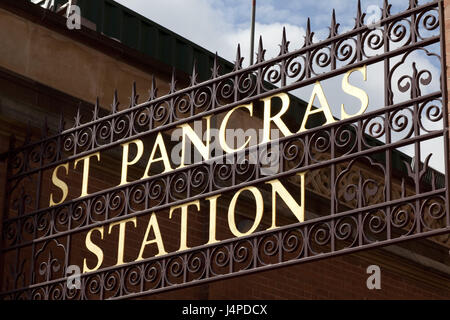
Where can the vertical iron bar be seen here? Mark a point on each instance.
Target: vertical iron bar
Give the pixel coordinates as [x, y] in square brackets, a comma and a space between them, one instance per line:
[445, 108]
[252, 32]
[388, 153]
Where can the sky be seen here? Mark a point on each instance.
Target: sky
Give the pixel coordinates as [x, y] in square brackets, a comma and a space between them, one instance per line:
[219, 25]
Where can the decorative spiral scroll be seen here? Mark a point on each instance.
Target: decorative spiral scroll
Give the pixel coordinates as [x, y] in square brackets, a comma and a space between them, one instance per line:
[321, 60]
[157, 191]
[202, 100]
[79, 214]
[346, 138]
[199, 181]
[372, 42]
[98, 208]
[319, 145]
[141, 120]
[346, 232]
[401, 123]
[104, 131]
[175, 269]
[220, 260]
[152, 275]
[403, 218]
[293, 153]
[93, 286]
[61, 219]
[161, 112]
[295, 67]
[117, 203]
[373, 128]
[432, 213]
[374, 225]
[225, 91]
[112, 284]
[427, 24]
[268, 249]
[196, 265]
[345, 51]
[222, 174]
[242, 254]
[137, 197]
[132, 279]
[293, 244]
[272, 75]
[246, 85]
[319, 237]
[84, 139]
[430, 115]
[399, 32]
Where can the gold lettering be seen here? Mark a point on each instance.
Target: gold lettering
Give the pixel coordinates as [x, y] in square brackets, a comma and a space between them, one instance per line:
[60, 184]
[212, 218]
[125, 163]
[223, 128]
[86, 162]
[184, 214]
[277, 118]
[196, 140]
[325, 108]
[164, 157]
[121, 241]
[94, 249]
[297, 209]
[356, 92]
[259, 211]
[153, 223]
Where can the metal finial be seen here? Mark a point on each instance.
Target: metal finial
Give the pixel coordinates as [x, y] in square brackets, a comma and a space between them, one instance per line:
[115, 103]
[261, 51]
[284, 47]
[239, 59]
[173, 82]
[153, 90]
[215, 68]
[134, 96]
[194, 73]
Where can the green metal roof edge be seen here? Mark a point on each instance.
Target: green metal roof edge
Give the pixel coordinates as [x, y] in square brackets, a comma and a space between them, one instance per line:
[131, 29]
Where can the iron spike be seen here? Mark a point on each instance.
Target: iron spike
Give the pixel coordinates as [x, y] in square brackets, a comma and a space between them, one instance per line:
[386, 9]
[309, 33]
[239, 59]
[153, 90]
[334, 26]
[115, 103]
[78, 116]
[61, 121]
[134, 96]
[284, 47]
[261, 51]
[359, 21]
[97, 103]
[215, 68]
[194, 73]
[173, 82]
